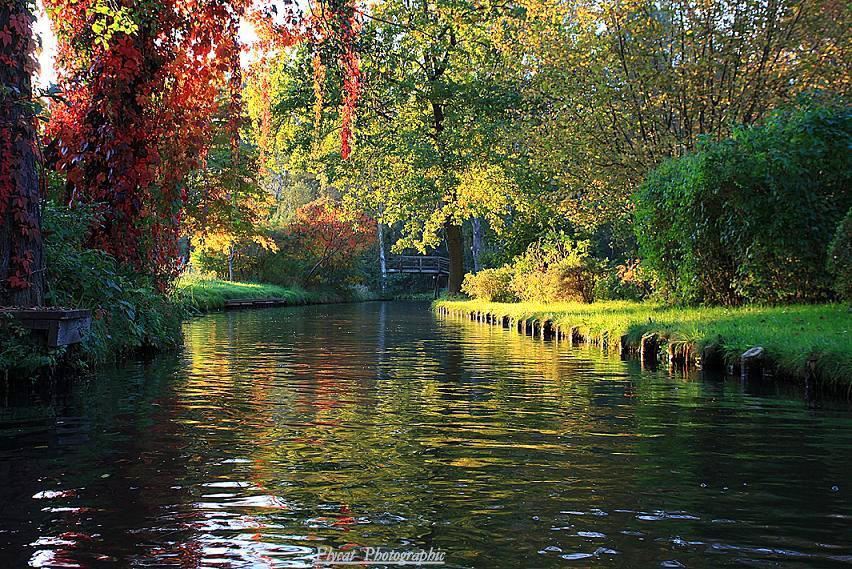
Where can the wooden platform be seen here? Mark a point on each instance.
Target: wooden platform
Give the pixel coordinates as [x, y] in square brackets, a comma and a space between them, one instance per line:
[256, 303]
[58, 327]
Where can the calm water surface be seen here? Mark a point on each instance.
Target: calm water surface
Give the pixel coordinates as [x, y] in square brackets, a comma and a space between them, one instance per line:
[277, 431]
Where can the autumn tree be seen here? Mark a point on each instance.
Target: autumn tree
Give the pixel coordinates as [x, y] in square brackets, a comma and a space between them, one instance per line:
[326, 239]
[140, 82]
[615, 87]
[21, 264]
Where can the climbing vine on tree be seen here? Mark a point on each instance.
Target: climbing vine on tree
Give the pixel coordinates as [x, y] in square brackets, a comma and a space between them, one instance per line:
[21, 274]
[141, 81]
[140, 85]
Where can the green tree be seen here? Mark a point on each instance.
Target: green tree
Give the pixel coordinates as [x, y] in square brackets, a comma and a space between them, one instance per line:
[613, 88]
[430, 150]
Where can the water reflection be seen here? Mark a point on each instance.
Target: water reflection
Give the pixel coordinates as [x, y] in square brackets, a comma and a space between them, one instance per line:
[277, 431]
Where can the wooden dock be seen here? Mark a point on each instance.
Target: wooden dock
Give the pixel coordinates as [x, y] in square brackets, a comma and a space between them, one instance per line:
[56, 326]
[256, 303]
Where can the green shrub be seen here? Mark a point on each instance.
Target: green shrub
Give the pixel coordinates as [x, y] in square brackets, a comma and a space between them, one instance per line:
[491, 285]
[128, 312]
[555, 269]
[840, 258]
[747, 219]
[624, 282]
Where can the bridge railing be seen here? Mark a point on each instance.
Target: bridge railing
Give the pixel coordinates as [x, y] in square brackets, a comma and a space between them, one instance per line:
[418, 264]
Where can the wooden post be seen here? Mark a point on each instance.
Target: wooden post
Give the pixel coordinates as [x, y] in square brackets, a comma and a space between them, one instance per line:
[648, 349]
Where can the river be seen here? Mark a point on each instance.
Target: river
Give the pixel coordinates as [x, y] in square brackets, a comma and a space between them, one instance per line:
[276, 432]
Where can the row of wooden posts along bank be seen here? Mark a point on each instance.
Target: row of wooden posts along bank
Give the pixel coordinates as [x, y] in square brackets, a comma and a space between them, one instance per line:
[652, 349]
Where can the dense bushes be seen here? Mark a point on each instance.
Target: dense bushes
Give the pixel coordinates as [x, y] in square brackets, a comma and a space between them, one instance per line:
[491, 285]
[553, 269]
[556, 269]
[840, 258]
[128, 312]
[748, 219]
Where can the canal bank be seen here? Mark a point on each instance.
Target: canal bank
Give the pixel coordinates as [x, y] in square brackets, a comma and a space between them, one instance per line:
[807, 343]
[125, 320]
[199, 295]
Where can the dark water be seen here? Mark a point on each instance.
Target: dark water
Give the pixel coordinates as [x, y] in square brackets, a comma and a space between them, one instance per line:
[277, 431]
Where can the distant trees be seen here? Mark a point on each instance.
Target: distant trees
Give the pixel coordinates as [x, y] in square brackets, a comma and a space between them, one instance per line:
[226, 206]
[613, 88]
[539, 116]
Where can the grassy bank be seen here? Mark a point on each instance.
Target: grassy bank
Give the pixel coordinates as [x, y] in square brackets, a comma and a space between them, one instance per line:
[202, 294]
[797, 339]
[129, 317]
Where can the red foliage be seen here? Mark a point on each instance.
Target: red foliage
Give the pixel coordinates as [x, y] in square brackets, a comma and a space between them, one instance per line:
[17, 47]
[323, 235]
[140, 103]
[138, 117]
[339, 25]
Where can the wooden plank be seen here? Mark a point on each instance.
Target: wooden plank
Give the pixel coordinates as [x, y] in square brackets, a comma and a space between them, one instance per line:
[47, 314]
[258, 302]
[57, 327]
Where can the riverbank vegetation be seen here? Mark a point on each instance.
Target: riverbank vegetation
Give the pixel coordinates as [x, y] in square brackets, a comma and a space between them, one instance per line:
[198, 293]
[678, 154]
[800, 341]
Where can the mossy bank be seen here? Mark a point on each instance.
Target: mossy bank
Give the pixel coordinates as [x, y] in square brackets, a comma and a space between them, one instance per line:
[799, 342]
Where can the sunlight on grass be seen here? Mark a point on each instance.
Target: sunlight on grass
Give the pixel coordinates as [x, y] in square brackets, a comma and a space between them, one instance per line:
[201, 292]
[792, 336]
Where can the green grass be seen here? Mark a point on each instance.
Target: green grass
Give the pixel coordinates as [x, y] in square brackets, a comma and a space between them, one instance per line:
[201, 294]
[791, 335]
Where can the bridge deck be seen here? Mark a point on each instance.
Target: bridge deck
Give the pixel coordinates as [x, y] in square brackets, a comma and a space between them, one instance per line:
[418, 264]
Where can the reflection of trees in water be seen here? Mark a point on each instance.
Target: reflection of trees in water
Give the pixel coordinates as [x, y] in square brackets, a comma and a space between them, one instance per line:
[375, 424]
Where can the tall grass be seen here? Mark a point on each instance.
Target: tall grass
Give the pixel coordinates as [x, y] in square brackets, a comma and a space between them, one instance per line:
[794, 337]
[200, 293]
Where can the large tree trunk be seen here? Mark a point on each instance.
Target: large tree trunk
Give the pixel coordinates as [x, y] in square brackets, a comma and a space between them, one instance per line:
[455, 250]
[231, 252]
[21, 260]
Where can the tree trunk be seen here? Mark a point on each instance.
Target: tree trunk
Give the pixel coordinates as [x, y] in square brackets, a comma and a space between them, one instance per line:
[383, 262]
[455, 250]
[21, 255]
[476, 242]
[231, 252]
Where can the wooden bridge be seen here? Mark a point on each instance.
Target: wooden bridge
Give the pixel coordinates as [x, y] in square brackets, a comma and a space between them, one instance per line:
[418, 265]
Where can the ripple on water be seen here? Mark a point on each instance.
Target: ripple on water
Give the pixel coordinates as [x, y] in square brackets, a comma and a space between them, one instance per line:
[279, 431]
